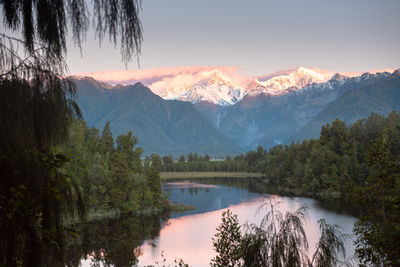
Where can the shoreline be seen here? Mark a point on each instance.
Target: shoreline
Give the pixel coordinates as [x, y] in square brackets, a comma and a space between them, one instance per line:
[191, 175]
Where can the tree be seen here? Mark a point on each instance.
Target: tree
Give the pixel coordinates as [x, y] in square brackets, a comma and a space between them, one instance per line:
[167, 160]
[378, 230]
[35, 197]
[228, 242]
[43, 26]
[37, 106]
[119, 183]
[278, 241]
[156, 161]
[154, 182]
[125, 144]
[107, 140]
[330, 244]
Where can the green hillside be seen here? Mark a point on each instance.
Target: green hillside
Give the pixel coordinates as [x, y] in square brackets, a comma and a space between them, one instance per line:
[162, 126]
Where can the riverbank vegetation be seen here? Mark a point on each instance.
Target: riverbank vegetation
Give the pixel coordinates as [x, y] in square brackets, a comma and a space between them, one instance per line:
[112, 176]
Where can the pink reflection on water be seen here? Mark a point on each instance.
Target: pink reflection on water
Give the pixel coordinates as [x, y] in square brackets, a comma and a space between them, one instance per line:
[189, 237]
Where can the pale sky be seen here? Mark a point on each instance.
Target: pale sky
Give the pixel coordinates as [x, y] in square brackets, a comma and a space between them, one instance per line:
[258, 36]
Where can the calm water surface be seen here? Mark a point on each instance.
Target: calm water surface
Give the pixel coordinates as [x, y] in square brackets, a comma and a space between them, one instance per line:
[188, 235]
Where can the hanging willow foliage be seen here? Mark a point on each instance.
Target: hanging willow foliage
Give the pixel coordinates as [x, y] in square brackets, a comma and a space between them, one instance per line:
[43, 25]
[280, 240]
[35, 197]
[36, 108]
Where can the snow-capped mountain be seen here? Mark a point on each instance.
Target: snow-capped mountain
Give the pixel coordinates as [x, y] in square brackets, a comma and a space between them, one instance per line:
[299, 112]
[272, 110]
[225, 89]
[282, 84]
[212, 86]
[222, 86]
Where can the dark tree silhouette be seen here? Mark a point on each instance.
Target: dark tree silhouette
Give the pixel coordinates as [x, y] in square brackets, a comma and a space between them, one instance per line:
[36, 108]
[43, 27]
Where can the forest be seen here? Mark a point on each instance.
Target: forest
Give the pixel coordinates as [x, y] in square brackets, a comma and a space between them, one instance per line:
[112, 176]
[358, 164]
[331, 166]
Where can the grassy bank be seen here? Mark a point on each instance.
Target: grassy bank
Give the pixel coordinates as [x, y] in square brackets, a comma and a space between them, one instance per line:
[181, 207]
[189, 175]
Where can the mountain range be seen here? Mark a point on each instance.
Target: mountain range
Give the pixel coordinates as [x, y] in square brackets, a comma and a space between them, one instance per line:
[162, 126]
[219, 112]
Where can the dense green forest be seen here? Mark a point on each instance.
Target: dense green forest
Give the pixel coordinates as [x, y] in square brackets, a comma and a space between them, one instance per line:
[112, 176]
[195, 162]
[328, 167]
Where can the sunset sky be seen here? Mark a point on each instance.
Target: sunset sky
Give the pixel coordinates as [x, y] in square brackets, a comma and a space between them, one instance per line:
[258, 37]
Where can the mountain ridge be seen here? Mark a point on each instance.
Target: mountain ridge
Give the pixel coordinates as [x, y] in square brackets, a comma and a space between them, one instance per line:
[162, 126]
[257, 119]
[268, 120]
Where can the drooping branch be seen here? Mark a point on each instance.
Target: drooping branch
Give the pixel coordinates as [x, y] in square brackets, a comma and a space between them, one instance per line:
[27, 64]
[46, 22]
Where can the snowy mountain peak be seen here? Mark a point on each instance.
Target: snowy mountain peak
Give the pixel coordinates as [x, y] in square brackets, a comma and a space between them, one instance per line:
[217, 78]
[298, 78]
[338, 76]
[224, 88]
[222, 85]
[213, 86]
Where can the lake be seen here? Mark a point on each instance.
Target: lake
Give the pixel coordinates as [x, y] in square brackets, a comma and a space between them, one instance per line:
[189, 235]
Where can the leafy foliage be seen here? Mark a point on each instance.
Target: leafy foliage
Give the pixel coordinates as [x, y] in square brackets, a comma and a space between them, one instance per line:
[34, 196]
[278, 241]
[112, 178]
[37, 108]
[379, 229]
[228, 242]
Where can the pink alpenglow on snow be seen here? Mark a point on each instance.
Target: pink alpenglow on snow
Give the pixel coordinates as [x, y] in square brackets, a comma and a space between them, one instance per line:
[222, 86]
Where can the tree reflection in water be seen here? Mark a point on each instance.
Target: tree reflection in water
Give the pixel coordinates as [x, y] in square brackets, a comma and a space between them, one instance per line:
[112, 242]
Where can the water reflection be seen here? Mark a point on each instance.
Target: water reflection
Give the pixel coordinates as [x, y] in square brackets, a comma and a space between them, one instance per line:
[207, 197]
[124, 241]
[189, 237]
[112, 242]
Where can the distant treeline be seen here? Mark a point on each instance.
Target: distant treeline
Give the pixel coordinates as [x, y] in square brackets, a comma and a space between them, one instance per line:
[328, 167]
[249, 162]
[113, 178]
